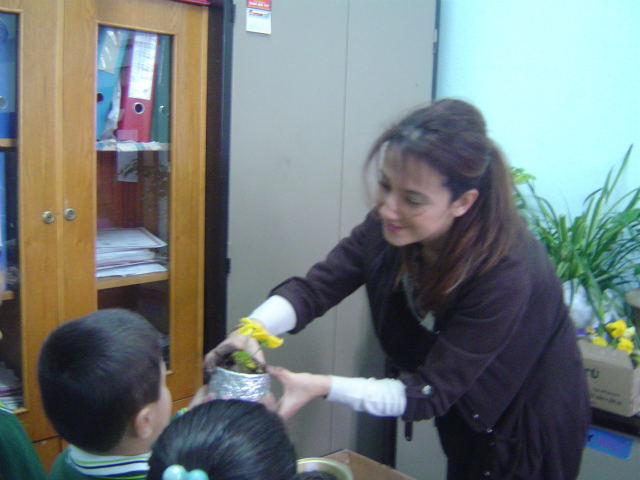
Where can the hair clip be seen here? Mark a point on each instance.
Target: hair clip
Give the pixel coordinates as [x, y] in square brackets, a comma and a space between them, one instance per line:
[178, 472]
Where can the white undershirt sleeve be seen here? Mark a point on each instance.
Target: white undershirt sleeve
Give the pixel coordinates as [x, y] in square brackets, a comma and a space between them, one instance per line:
[382, 398]
[276, 314]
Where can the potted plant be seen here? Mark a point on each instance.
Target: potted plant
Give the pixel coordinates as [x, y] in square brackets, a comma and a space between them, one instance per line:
[596, 253]
[238, 374]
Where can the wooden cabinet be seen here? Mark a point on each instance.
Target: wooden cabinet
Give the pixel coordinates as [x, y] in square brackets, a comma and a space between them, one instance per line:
[67, 188]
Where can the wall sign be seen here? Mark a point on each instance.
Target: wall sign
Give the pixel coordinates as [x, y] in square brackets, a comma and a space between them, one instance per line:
[259, 16]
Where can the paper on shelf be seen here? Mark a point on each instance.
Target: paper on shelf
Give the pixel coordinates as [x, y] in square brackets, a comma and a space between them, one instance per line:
[111, 257]
[130, 270]
[126, 238]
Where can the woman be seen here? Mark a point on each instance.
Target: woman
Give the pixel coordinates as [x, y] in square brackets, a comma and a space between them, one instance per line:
[464, 300]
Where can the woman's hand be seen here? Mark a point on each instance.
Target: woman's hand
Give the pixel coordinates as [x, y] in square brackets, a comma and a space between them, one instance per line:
[299, 389]
[233, 342]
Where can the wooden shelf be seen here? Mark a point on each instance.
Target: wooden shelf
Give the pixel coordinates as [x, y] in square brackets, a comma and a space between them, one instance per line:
[113, 282]
[8, 295]
[8, 142]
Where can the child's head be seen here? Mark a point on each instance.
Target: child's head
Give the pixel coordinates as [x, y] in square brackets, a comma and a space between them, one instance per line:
[227, 439]
[102, 381]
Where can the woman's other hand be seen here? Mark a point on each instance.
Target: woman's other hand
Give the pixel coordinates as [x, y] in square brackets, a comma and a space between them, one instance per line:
[299, 389]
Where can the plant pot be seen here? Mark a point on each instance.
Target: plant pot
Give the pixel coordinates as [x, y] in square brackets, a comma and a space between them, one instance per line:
[337, 469]
[242, 386]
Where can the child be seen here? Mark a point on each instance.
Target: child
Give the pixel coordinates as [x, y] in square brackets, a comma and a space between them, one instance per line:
[225, 439]
[18, 459]
[103, 387]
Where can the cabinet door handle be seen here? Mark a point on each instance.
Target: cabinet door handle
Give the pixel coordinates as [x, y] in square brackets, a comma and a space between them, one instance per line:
[69, 214]
[48, 217]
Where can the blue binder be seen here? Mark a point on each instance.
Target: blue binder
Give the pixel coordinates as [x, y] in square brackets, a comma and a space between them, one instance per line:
[8, 55]
[112, 44]
[161, 116]
[3, 228]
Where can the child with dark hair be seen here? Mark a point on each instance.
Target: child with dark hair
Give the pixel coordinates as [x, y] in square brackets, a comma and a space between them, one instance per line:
[103, 387]
[225, 440]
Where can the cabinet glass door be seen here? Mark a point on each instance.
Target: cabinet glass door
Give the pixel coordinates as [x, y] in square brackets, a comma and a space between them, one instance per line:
[133, 123]
[10, 326]
[133, 170]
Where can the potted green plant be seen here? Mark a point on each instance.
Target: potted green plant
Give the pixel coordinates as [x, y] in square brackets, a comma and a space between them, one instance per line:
[597, 252]
[239, 374]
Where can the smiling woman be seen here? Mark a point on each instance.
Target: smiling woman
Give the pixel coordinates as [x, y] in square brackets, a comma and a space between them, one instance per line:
[464, 300]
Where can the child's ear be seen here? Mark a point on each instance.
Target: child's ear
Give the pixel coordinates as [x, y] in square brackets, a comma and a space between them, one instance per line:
[143, 422]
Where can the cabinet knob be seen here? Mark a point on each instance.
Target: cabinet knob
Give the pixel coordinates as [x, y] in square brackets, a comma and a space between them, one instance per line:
[48, 217]
[69, 214]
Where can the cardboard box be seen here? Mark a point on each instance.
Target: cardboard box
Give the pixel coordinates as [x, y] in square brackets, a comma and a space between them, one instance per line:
[614, 385]
[364, 468]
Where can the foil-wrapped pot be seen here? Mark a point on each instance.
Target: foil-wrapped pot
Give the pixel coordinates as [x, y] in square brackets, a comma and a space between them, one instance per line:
[242, 386]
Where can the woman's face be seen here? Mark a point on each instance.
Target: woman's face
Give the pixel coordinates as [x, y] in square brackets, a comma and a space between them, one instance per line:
[414, 203]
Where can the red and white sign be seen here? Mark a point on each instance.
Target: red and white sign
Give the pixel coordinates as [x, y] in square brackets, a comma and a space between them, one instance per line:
[261, 4]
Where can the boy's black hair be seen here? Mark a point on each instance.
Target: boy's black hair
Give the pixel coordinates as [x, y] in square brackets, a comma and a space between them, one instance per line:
[229, 440]
[95, 373]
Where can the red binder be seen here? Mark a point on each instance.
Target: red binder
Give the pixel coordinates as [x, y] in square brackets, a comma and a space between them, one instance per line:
[137, 79]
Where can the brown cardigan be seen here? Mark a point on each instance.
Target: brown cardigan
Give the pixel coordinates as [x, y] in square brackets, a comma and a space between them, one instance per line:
[502, 363]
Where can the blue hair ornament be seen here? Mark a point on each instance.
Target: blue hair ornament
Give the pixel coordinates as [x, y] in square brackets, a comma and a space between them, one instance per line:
[178, 472]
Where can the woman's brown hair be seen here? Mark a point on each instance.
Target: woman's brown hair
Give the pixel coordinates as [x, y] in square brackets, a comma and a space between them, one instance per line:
[450, 136]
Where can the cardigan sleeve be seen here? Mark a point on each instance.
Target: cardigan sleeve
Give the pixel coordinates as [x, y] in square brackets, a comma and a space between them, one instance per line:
[330, 281]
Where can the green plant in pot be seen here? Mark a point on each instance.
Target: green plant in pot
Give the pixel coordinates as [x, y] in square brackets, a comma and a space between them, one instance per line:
[238, 374]
[596, 253]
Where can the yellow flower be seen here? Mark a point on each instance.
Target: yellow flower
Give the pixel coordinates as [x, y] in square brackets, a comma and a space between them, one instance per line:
[617, 328]
[599, 341]
[249, 326]
[590, 330]
[625, 344]
[257, 331]
[273, 342]
[629, 332]
[261, 335]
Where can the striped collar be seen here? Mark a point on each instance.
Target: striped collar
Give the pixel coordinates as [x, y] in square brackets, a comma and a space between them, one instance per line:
[108, 466]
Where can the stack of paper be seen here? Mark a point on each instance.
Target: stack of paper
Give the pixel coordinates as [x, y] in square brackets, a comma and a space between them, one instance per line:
[127, 251]
[10, 388]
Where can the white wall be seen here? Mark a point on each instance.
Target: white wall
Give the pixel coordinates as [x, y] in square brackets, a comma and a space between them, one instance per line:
[558, 82]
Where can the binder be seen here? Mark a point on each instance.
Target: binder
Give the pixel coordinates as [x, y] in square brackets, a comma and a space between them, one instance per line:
[112, 44]
[8, 55]
[161, 115]
[137, 74]
[3, 228]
